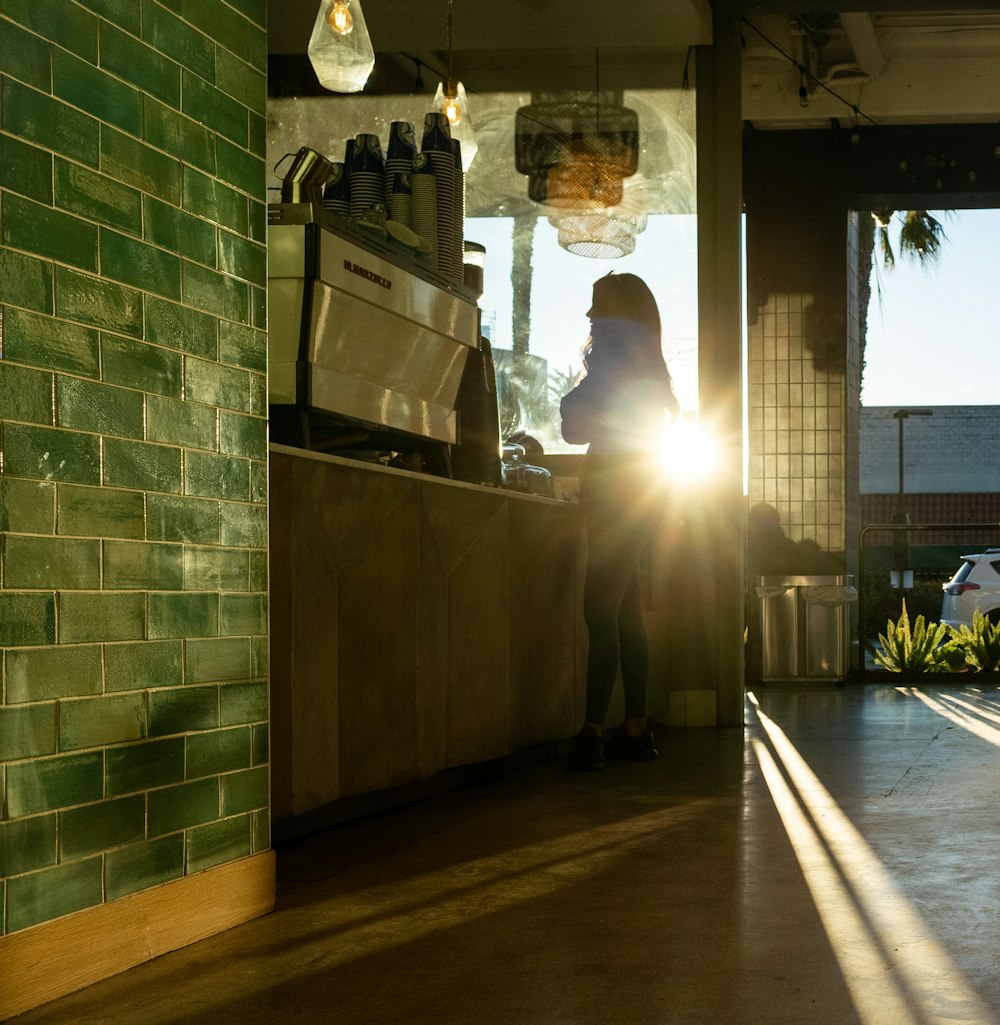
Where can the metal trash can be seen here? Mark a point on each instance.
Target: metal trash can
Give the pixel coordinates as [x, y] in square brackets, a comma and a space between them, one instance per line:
[805, 631]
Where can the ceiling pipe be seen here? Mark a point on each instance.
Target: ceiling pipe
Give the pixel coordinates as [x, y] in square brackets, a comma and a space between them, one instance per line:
[860, 30]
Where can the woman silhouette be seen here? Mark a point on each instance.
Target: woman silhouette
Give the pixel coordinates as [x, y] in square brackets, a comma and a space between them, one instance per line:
[618, 407]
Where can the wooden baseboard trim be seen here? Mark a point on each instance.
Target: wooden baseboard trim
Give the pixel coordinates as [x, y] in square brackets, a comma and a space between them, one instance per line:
[58, 957]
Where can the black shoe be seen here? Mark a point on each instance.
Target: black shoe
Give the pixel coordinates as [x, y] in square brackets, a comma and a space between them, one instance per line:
[623, 747]
[587, 752]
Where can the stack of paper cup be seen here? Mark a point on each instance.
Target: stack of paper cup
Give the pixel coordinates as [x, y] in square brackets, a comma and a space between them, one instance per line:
[436, 145]
[424, 205]
[367, 174]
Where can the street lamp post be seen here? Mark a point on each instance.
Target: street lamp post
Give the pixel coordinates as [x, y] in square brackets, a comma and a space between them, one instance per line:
[902, 415]
[902, 575]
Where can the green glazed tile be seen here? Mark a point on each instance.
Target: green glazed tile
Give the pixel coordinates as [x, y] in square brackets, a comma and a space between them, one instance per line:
[258, 48]
[51, 562]
[154, 763]
[183, 615]
[258, 482]
[143, 664]
[244, 614]
[25, 394]
[23, 168]
[135, 364]
[97, 301]
[98, 722]
[215, 569]
[183, 710]
[183, 806]
[216, 202]
[140, 866]
[242, 346]
[180, 232]
[243, 703]
[241, 81]
[60, 671]
[27, 732]
[217, 659]
[53, 892]
[258, 571]
[134, 464]
[178, 327]
[215, 293]
[217, 843]
[27, 619]
[100, 617]
[177, 421]
[258, 394]
[219, 113]
[96, 92]
[42, 453]
[258, 307]
[100, 408]
[50, 123]
[258, 221]
[45, 784]
[100, 512]
[219, 21]
[245, 791]
[96, 196]
[49, 233]
[260, 750]
[261, 831]
[215, 476]
[130, 59]
[216, 384]
[134, 163]
[194, 520]
[258, 143]
[242, 258]
[135, 566]
[241, 435]
[260, 649]
[178, 40]
[99, 827]
[27, 844]
[255, 10]
[25, 281]
[244, 526]
[217, 751]
[124, 13]
[74, 28]
[26, 56]
[137, 263]
[50, 343]
[27, 506]
[245, 171]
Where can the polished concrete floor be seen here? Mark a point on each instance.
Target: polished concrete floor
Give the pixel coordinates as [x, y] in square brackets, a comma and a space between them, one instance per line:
[835, 862]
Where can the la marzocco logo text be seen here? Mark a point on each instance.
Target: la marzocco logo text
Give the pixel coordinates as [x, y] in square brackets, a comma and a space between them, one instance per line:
[364, 272]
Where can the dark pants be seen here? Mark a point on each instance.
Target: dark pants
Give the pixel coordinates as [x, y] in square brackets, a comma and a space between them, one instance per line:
[621, 518]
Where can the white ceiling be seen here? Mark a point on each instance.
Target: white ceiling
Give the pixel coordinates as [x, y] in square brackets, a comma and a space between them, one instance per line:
[894, 66]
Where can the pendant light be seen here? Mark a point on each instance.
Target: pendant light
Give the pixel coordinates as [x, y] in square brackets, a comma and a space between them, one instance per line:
[340, 48]
[451, 99]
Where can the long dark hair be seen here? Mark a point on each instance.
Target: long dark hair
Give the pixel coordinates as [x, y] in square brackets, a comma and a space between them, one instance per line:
[628, 341]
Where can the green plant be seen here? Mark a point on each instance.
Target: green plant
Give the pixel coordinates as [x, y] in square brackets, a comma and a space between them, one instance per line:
[979, 644]
[918, 649]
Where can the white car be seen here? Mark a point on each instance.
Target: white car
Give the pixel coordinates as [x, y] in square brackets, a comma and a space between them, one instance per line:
[976, 585]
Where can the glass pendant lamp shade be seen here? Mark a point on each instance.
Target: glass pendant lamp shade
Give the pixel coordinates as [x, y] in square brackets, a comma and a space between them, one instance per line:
[340, 48]
[455, 103]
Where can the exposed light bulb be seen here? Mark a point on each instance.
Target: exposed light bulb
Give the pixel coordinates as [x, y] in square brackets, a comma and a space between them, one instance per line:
[452, 108]
[340, 18]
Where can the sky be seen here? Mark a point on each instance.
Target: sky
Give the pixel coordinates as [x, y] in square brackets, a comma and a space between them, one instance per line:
[934, 333]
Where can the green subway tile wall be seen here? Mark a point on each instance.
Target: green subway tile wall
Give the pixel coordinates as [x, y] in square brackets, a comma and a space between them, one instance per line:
[133, 447]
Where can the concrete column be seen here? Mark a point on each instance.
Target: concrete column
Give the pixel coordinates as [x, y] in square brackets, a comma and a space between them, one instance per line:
[722, 509]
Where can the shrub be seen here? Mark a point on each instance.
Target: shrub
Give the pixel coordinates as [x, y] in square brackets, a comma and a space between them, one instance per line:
[918, 649]
[979, 645]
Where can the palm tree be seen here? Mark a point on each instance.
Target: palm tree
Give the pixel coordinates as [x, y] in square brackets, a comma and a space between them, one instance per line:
[920, 236]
